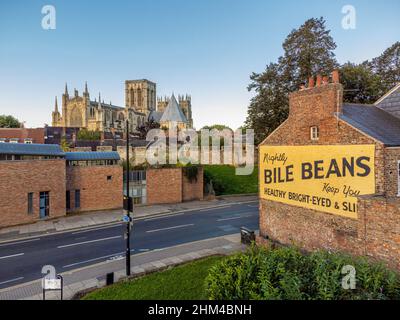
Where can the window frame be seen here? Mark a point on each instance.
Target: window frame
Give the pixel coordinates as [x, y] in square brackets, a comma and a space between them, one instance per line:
[314, 135]
[30, 203]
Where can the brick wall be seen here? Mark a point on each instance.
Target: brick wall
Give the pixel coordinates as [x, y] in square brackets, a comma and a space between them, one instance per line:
[392, 156]
[97, 192]
[164, 185]
[169, 185]
[193, 190]
[18, 178]
[379, 228]
[376, 232]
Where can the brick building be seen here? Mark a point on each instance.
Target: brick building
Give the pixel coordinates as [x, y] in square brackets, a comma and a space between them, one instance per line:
[329, 175]
[39, 181]
[22, 135]
[94, 181]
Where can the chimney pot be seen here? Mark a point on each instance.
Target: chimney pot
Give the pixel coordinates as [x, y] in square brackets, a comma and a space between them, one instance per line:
[325, 80]
[335, 76]
[319, 80]
[311, 82]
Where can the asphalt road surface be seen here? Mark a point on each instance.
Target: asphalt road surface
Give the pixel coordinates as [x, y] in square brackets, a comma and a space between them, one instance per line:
[22, 260]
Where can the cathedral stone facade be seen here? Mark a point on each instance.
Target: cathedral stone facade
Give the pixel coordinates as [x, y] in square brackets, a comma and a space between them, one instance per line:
[141, 105]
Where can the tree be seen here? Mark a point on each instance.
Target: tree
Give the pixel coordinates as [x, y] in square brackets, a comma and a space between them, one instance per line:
[269, 107]
[9, 122]
[361, 84]
[85, 134]
[387, 66]
[307, 51]
[219, 127]
[65, 145]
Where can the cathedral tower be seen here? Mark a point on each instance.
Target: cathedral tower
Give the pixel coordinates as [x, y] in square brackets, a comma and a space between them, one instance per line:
[140, 95]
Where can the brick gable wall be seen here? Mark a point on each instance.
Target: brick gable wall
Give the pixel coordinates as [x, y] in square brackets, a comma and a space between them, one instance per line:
[376, 232]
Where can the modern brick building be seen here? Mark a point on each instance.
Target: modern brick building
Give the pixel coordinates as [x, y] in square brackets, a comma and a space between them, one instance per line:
[39, 181]
[329, 175]
[94, 181]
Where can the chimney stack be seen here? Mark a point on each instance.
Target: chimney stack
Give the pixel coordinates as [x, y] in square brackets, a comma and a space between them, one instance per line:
[311, 82]
[335, 76]
[319, 80]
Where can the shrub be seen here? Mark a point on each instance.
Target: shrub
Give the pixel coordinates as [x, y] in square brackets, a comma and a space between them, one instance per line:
[235, 278]
[287, 274]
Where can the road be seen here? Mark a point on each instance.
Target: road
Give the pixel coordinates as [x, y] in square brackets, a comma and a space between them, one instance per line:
[22, 261]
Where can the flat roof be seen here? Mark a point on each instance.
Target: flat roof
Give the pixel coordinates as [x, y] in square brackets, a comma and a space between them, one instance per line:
[84, 156]
[31, 149]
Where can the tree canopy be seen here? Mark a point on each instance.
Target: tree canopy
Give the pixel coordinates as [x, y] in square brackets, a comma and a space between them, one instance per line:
[308, 51]
[9, 122]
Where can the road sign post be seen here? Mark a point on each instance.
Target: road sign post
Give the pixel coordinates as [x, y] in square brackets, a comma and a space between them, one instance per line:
[128, 205]
[50, 284]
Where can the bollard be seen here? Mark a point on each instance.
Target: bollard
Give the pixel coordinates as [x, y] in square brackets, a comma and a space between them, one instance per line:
[110, 279]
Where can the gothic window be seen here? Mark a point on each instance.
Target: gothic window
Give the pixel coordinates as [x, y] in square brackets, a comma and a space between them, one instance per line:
[139, 97]
[76, 118]
[132, 97]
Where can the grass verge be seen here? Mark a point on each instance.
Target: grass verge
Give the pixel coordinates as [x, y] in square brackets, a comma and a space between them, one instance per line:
[226, 182]
[185, 282]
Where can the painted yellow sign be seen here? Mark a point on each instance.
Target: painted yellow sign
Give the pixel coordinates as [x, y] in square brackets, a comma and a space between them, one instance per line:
[323, 178]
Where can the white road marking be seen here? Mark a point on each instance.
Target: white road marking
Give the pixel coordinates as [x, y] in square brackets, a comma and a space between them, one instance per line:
[252, 206]
[12, 280]
[94, 259]
[95, 229]
[169, 228]
[14, 243]
[215, 208]
[234, 218]
[86, 242]
[12, 256]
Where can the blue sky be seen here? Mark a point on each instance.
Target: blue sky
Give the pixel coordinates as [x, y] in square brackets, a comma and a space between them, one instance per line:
[207, 48]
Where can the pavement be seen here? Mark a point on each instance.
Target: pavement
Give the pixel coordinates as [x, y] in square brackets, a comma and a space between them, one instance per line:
[85, 256]
[97, 218]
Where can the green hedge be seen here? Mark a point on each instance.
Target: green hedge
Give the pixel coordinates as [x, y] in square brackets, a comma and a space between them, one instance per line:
[287, 274]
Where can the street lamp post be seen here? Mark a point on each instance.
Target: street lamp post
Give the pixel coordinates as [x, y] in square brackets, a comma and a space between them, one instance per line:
[128, 206]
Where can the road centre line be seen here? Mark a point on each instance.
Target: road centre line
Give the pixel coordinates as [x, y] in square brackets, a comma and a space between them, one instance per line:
[86, 242]
[12, 256]
[170, 228]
